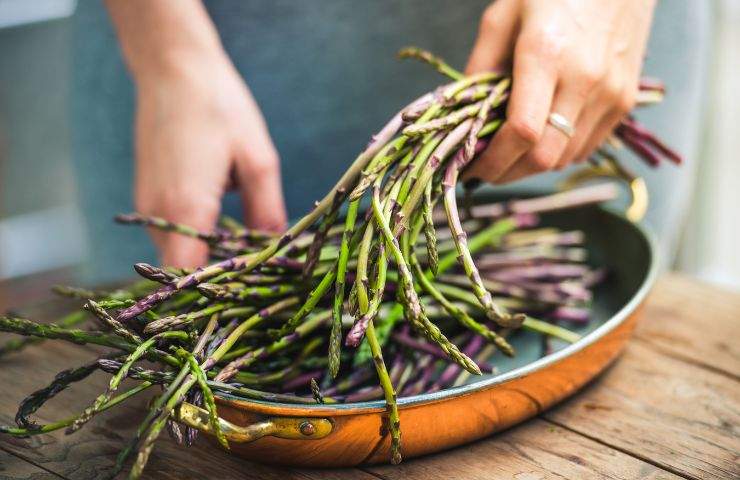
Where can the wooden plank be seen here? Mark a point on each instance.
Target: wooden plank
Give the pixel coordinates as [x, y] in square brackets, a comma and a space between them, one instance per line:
[535, 450]
[679, 416]
[90, 453]
[14, 468]
[695, 321]
[652, 405]
[20, 292]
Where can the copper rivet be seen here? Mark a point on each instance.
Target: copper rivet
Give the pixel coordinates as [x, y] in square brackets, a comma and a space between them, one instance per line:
[307, 428]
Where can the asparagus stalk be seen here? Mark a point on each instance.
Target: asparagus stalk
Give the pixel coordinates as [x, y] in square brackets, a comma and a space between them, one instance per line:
[26, 327]
[14, 345]
[440, 65]
[61, 381]
[460, 314]
[429, 232]
[35, 429]
[335, 338]
[210, 403]
[389, 392]
[413, 306]
[316, 391]
[116, 380]
[493, 311]
[111, 322]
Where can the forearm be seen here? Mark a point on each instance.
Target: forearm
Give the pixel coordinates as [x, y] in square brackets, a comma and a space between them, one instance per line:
[164, 36]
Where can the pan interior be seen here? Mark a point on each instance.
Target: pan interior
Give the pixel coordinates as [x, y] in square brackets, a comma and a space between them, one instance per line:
[613, 242]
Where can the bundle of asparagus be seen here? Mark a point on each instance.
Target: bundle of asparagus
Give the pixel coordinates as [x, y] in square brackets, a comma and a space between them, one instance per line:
[255, 323]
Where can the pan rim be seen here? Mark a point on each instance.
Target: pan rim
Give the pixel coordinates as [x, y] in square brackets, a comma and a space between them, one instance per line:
[285, 409]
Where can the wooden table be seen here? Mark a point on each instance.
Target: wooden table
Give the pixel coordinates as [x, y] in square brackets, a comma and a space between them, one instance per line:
[669, 408]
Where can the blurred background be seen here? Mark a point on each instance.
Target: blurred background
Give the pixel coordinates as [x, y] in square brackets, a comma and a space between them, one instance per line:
[42, 228]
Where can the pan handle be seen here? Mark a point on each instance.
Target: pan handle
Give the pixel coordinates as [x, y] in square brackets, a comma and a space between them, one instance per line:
[610, 168]
[296, 428]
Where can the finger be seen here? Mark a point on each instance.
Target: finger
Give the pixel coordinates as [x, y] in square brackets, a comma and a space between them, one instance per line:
[596, 137]
[590, 118]
[258, 173]
[568, 102]
[533, 85]
[181, 251]
[611, 104]
[194, 205]
[159, 238]
[495, 41]
[261, 190]
[605, 126]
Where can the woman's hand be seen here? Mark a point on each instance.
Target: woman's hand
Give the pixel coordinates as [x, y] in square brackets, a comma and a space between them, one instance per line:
[578, 58]
[199, 132]
[198, 129]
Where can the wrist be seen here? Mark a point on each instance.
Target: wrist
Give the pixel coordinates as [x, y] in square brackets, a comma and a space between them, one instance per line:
[181, 63]
[166, 38]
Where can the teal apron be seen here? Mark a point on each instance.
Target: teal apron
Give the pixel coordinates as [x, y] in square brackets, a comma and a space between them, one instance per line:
[326, 77]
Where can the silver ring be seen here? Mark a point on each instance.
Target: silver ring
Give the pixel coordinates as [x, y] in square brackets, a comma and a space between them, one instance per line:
[561, 123]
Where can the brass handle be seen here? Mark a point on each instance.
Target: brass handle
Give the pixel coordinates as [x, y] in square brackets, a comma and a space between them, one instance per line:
[282, 427]
[611, 168]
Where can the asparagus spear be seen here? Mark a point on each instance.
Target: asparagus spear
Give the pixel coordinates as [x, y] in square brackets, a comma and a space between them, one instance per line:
[116, 380]
[389, 392]
[71, 320]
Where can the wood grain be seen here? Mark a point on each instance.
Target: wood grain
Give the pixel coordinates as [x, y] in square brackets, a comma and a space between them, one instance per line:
[670, 406]
[91, 452]
[536, 450]
[682, 417]
[23, 291]
[14, 468]
[694, 321]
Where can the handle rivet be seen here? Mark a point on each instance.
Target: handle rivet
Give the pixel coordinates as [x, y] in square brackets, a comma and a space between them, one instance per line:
[307, 428]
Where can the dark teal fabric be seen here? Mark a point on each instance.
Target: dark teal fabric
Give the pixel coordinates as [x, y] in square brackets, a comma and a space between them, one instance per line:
[324, 73]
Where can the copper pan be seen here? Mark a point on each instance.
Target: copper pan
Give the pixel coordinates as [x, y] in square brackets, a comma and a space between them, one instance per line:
[352, 434]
